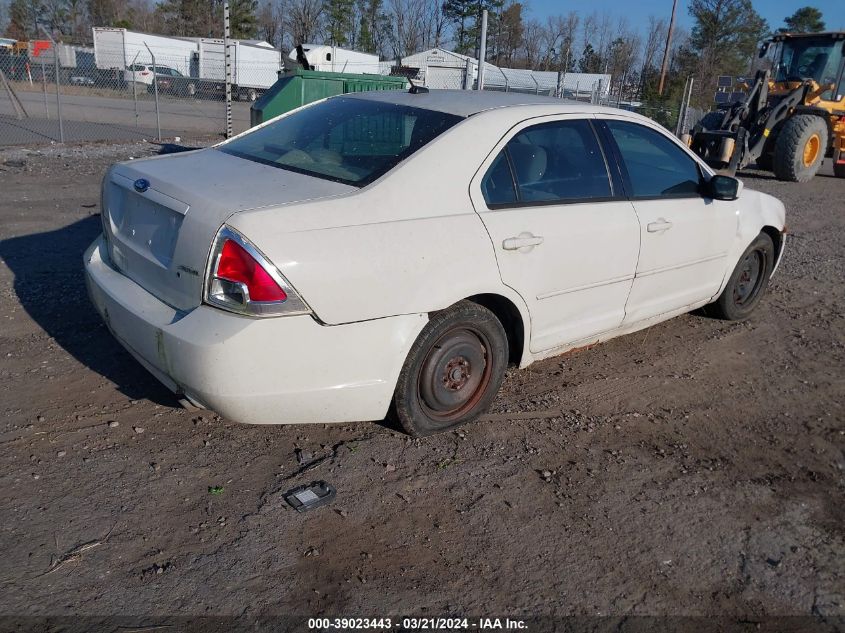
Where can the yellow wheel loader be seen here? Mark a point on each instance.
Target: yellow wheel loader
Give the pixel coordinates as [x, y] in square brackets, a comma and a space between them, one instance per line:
[791, 117]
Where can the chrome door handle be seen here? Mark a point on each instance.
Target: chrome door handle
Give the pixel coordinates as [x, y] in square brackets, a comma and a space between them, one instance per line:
[524, 240]
[660, 225]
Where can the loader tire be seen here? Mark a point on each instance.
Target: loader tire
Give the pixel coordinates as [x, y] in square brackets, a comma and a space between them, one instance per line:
[800, 148]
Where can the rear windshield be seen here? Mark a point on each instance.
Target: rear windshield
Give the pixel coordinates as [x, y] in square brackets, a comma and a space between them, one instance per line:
[353, 141]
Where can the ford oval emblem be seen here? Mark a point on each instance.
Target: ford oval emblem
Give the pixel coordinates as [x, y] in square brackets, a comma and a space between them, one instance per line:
[141, 185]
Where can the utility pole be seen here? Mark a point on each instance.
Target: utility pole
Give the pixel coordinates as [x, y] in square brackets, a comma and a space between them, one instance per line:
[665, 63]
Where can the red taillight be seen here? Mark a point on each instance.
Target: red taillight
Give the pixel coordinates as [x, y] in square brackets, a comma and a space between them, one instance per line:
[242, 280]
[236, 265]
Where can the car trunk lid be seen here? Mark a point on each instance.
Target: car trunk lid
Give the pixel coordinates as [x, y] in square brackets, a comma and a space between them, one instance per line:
[161, 214]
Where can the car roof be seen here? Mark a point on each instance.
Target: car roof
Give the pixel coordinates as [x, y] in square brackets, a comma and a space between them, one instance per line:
[465, 103]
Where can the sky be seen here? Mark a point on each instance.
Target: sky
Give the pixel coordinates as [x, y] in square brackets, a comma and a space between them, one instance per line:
[773, 10]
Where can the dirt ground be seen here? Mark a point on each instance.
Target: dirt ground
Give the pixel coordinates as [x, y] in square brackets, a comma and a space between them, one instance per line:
[694, 468]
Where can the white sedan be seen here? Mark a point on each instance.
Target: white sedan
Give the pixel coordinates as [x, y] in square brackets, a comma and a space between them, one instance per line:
[390, 253]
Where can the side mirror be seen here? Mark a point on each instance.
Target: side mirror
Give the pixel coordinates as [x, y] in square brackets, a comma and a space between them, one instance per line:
[724, 188]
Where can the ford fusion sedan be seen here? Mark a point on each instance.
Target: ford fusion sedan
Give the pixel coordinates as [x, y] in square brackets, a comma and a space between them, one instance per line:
[391, 253]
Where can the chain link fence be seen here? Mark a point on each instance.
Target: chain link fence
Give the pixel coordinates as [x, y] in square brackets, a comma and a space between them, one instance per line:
[158, 94]
[155, 88]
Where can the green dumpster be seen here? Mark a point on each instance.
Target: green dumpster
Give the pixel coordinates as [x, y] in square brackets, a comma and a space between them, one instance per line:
[301, 86]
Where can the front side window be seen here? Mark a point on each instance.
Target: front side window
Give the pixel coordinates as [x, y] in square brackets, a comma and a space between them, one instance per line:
[349, 140]
[656, 166]
[560, 161]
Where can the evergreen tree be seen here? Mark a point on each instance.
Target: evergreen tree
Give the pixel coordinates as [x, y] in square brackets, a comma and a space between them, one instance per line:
[590, 61]
[372, 22]
[24, 16]
[192, 18]
[460, 13]
[804, 20]
[725, 39]
[243, 21]
[339, 21]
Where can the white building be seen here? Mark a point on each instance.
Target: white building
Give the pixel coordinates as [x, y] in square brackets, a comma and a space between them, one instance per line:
[439, 68]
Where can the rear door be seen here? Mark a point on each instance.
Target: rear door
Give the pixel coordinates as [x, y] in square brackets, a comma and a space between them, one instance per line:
[685, 236]
[566, 239]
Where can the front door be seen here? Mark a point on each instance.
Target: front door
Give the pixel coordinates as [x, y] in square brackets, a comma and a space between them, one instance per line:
[565, 237]
[684, 236]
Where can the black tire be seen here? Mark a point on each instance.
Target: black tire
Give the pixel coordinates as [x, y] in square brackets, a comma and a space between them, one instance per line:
[747, 282]
[839, 170]
[790, 158]
[452, 372]
[712, 120]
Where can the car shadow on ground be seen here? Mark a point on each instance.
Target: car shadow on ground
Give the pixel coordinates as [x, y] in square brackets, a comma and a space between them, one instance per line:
[50, 285]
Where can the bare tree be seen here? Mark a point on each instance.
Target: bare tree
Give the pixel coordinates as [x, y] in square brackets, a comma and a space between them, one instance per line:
[560, 42]
[270, 22]
[434, 24]
[588, 32]
[302, 20]
[532, 40]
[407, 18]
[655, 35]
[604, 37]
[622, 59]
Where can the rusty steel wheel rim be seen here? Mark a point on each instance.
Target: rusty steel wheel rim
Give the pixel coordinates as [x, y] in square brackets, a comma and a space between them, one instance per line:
[455, 374]
[811, 150]
[751, 277]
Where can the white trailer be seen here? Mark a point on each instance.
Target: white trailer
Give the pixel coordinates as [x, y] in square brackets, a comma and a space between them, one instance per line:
[255, 66]
[116, 49]
[338, 60]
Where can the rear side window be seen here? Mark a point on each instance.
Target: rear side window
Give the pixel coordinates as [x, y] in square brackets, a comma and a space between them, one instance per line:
[552, 162]
[497, 186]
[348, 140]
[657, 167]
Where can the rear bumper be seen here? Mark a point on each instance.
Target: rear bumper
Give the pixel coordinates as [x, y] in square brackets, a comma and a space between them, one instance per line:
[259, 371]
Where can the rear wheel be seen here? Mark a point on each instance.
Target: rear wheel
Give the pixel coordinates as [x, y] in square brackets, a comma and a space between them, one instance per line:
[800, 148]
[748, 281]
[452, 372]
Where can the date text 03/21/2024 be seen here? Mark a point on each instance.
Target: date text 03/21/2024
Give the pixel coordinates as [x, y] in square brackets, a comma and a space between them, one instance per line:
[417, 624]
